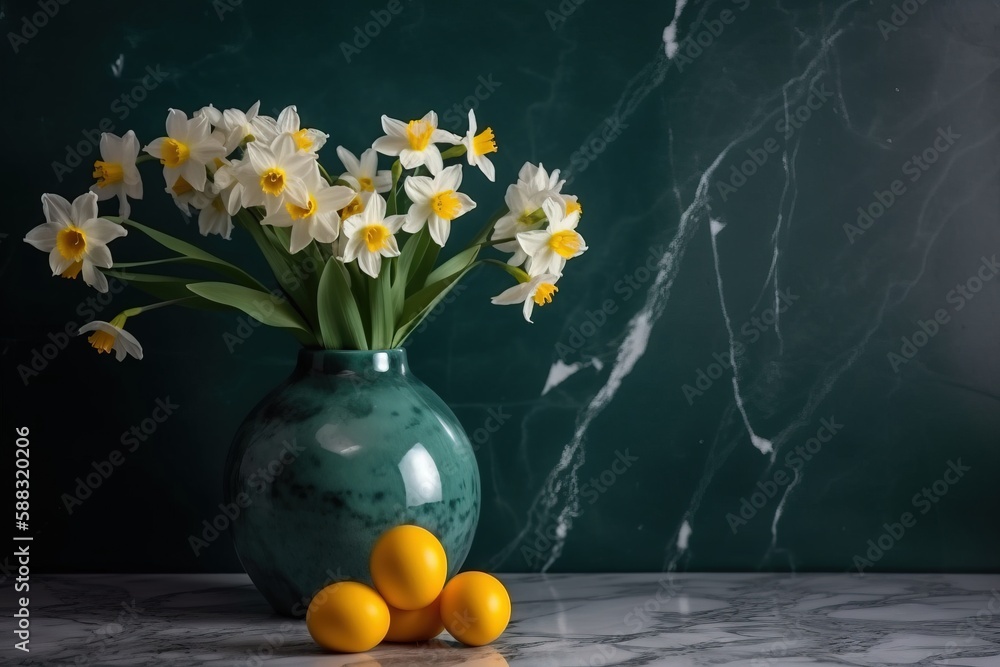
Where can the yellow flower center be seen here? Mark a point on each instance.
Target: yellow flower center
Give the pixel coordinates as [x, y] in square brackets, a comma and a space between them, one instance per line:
[73, 270]
[72, 243]
[108, 173]
[174, 153]
[573, 207]
[302, 139]
[376, 237]
[356, 206]
[543, 294]
[484, 142]
[103, 341]
[446, 205]
[181, 186]
[419, 132]
[298, 212]
[367, 184]
[565, 243]
[272, 181]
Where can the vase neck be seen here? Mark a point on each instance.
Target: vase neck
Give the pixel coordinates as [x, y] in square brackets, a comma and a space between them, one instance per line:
[334, 362]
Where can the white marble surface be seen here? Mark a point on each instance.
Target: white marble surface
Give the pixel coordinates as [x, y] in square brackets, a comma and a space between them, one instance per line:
[592, 619]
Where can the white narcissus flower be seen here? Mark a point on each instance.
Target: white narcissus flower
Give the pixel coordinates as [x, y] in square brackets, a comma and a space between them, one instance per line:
[414, 142]
[75, 238]
[306, 140]
[535, 179]
[477, 146]
[549, 249]
[274, 175]
[538, 290]
[111, 336]
[213, 115]
[370, 236]
[187, 149]
[319, 220]
[241, 126]
[363, 174]
[116, 172]
[436, 202]
[522, 204]
[186, 197]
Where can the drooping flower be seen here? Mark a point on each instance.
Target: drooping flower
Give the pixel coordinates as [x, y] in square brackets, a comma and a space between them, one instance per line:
[522, 216]
[414, 142]
[186, 197]
[112, 337]
[75, 238]
[116, 172]
[187, 150]
[370, 236]
[273, 175]
[549, 248]
[478, 146]
[363, 175]
[319, 220]
[537, 291]
[436, 202]
[306, 140]
[216, 217]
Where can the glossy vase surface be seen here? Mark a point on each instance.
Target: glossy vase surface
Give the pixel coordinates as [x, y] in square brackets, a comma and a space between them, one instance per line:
[350, 445]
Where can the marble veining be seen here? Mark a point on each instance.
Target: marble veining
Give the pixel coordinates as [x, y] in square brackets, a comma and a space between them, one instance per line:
[678, 619]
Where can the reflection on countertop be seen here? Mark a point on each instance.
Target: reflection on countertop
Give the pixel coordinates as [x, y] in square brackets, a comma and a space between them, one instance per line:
[568, 619]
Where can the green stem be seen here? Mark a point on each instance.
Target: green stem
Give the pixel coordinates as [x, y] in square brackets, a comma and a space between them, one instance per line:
[132, 312]
[145, 157]
[457, 150]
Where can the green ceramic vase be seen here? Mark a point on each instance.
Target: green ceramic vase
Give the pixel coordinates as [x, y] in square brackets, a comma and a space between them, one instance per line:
[350, 445]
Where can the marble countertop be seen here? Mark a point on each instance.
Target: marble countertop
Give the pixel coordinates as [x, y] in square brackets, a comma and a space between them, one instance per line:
[580, 619]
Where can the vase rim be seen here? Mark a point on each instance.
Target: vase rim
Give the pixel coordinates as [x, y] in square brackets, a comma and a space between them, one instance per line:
[323, 361]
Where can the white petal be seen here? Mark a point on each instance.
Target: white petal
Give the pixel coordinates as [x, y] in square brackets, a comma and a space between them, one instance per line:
[300, 237]
[393, 127]
[533, 242]
[56, 209]
[394, 223]
[419, 189]
[409, 158]
[553, 211]
[370, 263]
[529, 305]
[352, 249]
[391, 248]
[513, 295]
[472, 121]
[450, 178]
[433, 160]
[349, 161]
[93, 277]
[58, 263]
[440, 229]
[486, 165]
[369, 163]
[177, 125]
[416, 217]
[84, 208]
[391, 145]
[43, 236]
[98, 255]
[103, 231]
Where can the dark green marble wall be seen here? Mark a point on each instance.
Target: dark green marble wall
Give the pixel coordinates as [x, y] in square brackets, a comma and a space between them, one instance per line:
[780, 352]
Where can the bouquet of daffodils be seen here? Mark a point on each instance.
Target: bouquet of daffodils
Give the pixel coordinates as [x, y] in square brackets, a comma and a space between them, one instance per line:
[355, 256]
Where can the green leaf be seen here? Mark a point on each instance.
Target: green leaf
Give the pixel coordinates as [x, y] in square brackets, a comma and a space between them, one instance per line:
[422, 263]
[167, 288]
[406, 267]
[420, 304]
[393, 204]
[339, 319]
[196, 254]
[460, 261]
[383, 311]
[264, 307]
